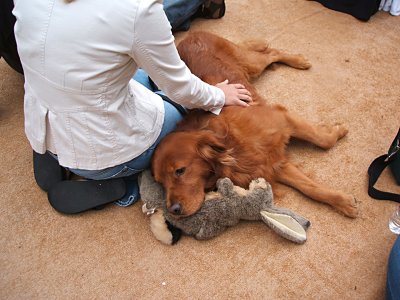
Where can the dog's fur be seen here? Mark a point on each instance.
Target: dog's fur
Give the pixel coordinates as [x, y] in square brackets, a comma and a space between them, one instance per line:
[240, 143]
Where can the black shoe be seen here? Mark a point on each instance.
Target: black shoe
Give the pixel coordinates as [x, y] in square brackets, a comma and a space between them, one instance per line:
[47, 170]
[212, 9]
[71, 197]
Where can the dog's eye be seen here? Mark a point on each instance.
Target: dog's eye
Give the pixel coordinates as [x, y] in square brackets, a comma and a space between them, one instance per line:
[180, 171]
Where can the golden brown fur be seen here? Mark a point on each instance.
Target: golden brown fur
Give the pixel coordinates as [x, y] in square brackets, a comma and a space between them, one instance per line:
[240, 143]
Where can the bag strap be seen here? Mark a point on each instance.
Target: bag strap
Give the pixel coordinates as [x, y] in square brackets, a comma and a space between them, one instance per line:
[375, 170]
[178, 107]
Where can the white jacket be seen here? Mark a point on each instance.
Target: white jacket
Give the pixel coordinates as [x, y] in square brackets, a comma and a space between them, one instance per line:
[78, 60]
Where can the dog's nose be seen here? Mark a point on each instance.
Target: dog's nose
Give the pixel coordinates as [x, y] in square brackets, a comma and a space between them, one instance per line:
[175, 209]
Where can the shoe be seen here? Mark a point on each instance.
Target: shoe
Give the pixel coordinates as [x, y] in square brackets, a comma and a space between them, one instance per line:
[212, 9]
[47, 170]
[71, 196]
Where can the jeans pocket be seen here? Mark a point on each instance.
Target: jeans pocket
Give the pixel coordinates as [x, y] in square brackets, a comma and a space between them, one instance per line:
[125, 172]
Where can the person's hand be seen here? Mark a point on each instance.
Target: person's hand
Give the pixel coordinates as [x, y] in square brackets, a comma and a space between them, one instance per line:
[235, 93]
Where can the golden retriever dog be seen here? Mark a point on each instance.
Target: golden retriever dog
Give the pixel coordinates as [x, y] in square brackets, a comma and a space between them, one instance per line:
[241, 143]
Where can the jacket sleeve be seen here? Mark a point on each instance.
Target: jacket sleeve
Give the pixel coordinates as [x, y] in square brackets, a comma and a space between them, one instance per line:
[154, 50]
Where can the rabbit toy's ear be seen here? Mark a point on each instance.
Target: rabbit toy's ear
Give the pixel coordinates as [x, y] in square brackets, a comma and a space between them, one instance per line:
[287, 225]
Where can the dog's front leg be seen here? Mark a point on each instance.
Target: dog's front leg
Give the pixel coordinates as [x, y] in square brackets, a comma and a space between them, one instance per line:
[290, 175]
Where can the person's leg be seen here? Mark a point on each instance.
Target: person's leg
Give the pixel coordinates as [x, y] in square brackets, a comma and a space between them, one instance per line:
[393, 273]
[143, 78]
[179, 12]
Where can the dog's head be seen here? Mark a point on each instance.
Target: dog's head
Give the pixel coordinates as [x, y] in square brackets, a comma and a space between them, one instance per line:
[188, 164]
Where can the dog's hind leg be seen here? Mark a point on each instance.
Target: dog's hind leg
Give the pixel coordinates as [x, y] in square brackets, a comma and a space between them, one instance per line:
[253, 56]
[255, 45]
[290, 175]
[256, 55]
[297, 61]
[323, 136]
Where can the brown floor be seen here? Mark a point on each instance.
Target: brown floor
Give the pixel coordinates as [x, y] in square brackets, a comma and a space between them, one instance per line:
[112, 253]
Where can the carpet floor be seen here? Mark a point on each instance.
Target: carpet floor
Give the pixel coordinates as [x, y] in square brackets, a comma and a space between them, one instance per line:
[112, 254]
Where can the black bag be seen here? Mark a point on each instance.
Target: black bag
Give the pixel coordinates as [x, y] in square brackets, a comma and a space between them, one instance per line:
[8, 45]
[360, 9]
[392, 159]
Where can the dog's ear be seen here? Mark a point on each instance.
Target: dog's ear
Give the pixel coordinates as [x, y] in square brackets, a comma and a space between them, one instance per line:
[155, 167]
[212, 148]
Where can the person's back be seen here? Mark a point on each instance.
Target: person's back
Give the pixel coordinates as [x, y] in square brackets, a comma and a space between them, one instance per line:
[78, 59]
[74, 49]
[77, 71]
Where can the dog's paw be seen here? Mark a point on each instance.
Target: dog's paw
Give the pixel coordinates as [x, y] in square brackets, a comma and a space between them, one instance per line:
[302, 62]
[349, 206]
[341, 130]
[329, 135]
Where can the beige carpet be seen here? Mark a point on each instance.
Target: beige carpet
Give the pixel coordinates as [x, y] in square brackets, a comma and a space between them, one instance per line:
[111, 254]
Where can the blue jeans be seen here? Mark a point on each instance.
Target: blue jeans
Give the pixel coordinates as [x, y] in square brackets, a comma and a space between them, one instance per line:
[179, 12]
[393, 273]
[130, 170]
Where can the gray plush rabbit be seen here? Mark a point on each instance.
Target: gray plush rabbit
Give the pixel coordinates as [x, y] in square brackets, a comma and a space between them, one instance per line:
[221, 209]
